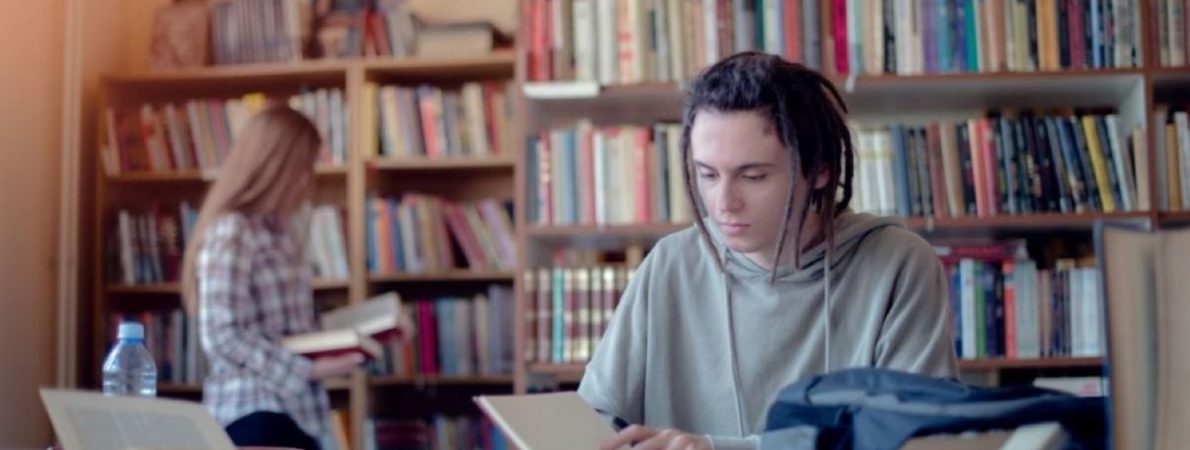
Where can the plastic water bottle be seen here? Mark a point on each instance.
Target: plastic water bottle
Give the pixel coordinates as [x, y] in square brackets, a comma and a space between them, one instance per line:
[129, 368]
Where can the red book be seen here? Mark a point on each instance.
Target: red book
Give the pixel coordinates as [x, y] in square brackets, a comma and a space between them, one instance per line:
[1009, 310]
[990, 164]
[587, 175]
[464, 236]
[1074, 21]
[839, 27]
[793, 29]
[937, 177]
[428, 341]
[429, 126]
[490, 111]
[975, 149]
[643, 199]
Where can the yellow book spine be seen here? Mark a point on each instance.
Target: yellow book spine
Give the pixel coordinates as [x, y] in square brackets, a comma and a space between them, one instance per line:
[1098, 166]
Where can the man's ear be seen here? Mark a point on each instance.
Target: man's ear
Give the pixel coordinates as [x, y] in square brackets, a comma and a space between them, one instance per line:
[822, 178]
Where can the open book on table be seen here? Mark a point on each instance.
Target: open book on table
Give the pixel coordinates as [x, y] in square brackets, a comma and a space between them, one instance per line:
[92, 421]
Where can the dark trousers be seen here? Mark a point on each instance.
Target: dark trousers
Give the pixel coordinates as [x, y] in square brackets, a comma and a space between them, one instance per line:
[269, 429]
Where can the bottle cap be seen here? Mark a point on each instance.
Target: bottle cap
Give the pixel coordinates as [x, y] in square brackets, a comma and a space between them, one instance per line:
[131, 330]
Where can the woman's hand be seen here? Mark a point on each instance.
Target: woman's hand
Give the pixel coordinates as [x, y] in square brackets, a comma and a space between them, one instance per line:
[334, 366]
[649, 438]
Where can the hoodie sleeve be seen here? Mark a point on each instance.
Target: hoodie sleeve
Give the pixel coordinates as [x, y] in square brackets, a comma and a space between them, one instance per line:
[916, 335]
[613, 383]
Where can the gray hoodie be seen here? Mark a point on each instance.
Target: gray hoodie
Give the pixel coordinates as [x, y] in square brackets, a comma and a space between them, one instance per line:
[703, 351]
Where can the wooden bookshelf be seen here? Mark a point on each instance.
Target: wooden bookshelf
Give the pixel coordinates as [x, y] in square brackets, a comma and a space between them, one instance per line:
[440, 380]
[456, 275]
[1032, 222]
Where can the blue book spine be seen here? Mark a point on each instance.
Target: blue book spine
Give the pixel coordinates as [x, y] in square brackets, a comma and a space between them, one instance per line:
[370, 235]
[559, 310]
[532, 206]
[900, 171]
[971, 38]
[956, 307]
[942, 30]
[397, 245]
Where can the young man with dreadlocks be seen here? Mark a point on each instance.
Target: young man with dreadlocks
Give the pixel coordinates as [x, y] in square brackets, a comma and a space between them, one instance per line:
[777, 282]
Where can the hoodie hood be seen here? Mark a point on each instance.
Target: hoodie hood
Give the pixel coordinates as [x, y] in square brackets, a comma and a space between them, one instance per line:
[850, 230]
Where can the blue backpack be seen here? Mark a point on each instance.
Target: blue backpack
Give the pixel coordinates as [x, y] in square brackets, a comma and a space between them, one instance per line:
[876, 409]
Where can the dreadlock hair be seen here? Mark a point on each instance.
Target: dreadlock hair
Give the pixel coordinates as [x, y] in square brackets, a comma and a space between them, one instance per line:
[808, 114]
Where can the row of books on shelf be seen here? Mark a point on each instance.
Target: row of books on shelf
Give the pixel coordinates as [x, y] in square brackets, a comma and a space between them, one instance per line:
[945, 36]
[472, 120]
[1173, 157]
[1005, 305]
[437, 433]
[455, 336]
[634, 41]
[172, 339]
[1002, 165]
[568, 309]
[1170, 25]
[606, 175]
[425, 234]
[198, 134]
[146, 246]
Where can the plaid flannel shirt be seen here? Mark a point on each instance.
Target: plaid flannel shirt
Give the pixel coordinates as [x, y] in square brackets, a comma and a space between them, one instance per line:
[254, 289]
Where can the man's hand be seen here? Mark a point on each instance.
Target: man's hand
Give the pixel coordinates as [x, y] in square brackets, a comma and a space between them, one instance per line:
[648, 438]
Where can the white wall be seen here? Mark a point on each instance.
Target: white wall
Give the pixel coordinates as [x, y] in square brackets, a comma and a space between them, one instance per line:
[31, 55]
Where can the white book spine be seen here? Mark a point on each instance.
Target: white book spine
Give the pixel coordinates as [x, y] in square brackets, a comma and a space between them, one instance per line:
[608, 42]
[599, 158]
[585, 38]
[679, 204]
[1124, 173]
[710, 31]
[677, 45]
[1183, 132]
[967, 305]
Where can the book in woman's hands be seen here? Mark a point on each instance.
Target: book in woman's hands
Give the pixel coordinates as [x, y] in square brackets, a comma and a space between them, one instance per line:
[354, 329]
[547, 421]
[379, 318]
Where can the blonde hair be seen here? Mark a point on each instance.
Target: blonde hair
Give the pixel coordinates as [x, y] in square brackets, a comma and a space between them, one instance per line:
[274, 152]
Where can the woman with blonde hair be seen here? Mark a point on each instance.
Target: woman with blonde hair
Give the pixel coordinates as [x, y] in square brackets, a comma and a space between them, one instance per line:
[245, 274]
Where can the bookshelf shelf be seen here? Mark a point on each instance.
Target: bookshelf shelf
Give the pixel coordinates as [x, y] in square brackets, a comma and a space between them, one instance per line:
[179, 389]
[575, 371]
[422, 380]
[601, 235]
[499, 64]
[1174, 217]
[448, 164]
[1048, 221]
[456, 275]
[175, 288]
[337, 384]
[198, 176]
[1041, 363]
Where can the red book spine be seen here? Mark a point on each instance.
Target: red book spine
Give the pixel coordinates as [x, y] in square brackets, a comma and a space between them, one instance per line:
[1074, 21]
[429, 132]
[839, 27]
[990, 164]
[643, 204]
[793, 29]
[428, 338]
[1009, 310]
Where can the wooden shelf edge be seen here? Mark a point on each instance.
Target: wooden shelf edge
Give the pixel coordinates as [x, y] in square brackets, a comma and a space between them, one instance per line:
[456, 163]
[176, 288]
[439, 380]
[179, 389]
[578, 230]
[1039, 363]
[1028, 221]
[200, 176]
[964, 364]
[459, 275]
[313, 67]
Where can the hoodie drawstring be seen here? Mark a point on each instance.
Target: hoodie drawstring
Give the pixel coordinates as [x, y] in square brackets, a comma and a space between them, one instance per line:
[735, 366]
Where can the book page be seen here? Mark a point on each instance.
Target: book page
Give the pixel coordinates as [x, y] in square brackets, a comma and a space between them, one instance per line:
[547, 421]
[92, 421]
[1173, 356]
[1128, 269]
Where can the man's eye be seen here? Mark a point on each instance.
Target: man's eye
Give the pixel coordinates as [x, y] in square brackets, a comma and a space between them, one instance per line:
[755, 177]
[707, 175]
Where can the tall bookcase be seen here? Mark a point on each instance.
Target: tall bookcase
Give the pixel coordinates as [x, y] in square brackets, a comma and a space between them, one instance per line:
[1130, 92]
[346, 186]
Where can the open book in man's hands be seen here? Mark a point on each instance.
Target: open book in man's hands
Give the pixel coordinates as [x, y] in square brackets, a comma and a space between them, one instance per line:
[547, 421]
[355, 329]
